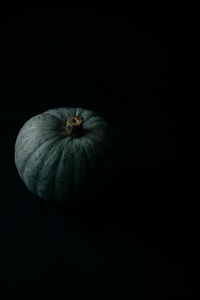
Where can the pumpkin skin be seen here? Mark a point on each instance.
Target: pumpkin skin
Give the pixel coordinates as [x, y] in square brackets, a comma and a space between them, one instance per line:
[59, 167]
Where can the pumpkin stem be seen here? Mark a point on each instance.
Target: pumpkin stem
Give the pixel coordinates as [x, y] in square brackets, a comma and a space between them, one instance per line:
[74, 126]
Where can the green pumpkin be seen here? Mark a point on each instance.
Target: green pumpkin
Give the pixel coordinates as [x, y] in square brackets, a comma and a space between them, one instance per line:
[65, 154]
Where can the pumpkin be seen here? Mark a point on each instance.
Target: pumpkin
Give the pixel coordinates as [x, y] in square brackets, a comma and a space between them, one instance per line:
[65, 154]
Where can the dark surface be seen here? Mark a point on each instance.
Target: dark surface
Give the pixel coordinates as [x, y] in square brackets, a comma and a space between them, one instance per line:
[136, 238]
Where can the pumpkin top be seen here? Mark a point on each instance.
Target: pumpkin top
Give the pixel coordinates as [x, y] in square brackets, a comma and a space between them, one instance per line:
[74, 126]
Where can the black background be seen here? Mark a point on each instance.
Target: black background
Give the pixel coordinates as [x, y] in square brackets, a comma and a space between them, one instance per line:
[135, 238]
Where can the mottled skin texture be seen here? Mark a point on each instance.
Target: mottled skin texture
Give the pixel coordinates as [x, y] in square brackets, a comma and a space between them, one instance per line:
[58, 167]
